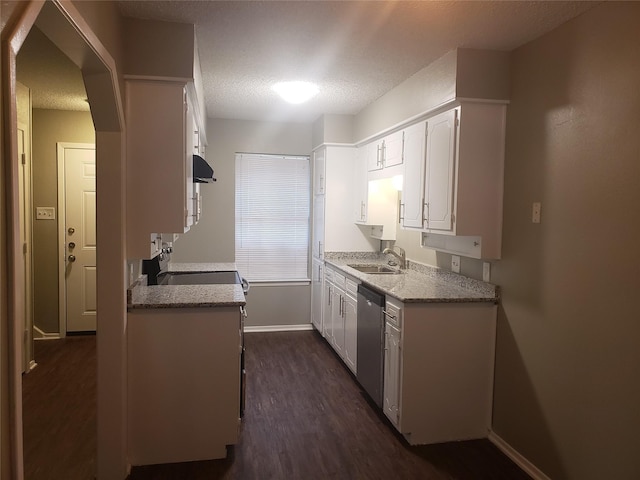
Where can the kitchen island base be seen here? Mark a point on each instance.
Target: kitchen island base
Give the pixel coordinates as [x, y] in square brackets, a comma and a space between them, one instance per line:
[183, 383]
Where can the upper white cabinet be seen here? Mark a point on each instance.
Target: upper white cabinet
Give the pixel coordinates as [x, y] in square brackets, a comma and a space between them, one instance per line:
[386, 152]
[360, 186]
[460, 180]
[319, 172]
[340, 233]
[414, 156]
[160, 190]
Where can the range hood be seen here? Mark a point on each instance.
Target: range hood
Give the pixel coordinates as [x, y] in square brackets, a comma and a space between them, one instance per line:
[202, 171]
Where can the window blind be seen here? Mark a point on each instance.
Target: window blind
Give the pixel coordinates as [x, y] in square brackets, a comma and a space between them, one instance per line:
[272, 217]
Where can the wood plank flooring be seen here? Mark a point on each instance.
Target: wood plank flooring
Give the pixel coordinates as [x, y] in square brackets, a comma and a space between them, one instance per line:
[305, 418]
[59, 410]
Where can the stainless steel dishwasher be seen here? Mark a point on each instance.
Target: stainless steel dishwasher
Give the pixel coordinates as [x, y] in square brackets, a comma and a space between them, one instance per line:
[370, 366]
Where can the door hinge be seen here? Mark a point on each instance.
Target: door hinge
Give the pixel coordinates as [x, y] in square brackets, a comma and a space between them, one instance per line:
[453, 217]
[24, 248]
[23, 158]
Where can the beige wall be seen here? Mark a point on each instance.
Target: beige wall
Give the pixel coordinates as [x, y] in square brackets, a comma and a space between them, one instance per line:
[567, 389]
[213, 239]
[50, 127]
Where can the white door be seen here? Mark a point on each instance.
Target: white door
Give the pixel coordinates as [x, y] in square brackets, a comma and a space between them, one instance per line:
[78, 235]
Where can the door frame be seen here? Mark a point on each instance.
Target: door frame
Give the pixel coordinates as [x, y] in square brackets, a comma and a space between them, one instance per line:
[69, 31]
[62, 253]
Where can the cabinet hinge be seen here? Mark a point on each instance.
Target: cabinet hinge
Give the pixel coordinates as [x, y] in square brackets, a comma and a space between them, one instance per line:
[23, 158]
[457, 122]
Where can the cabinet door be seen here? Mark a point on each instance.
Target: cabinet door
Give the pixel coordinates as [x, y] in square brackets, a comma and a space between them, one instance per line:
[317, 232]
[414, 159]
[317, 276]
[393, 149]
[327, 301]
[391, 404]
[374, 156]
[439, 178]
[319, 178]
[361, 186]
[350, 332]
[337, 317]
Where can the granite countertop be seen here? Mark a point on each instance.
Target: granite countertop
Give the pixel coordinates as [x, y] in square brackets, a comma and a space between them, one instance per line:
[418, 284]
[141, 295]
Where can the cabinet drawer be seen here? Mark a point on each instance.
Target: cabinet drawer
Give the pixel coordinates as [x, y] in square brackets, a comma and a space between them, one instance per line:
[352, 288]
[340, 280]
[328, 274]
[393, 313]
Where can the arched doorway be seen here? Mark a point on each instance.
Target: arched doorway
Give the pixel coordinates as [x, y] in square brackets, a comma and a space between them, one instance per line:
[67, 28]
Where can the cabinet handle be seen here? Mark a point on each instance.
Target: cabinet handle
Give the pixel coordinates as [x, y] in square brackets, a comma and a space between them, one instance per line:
[387, 314]
[379, 155]
[401, 213]
[362, 214]
[425, 213]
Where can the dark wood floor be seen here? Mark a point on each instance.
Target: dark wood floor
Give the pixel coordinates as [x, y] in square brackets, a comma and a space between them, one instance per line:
[59, 410]
[306, 418]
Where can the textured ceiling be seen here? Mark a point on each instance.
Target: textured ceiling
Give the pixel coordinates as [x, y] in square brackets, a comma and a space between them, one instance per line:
[355, 50]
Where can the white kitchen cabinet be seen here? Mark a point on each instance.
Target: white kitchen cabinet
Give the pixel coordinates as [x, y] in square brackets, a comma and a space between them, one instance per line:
[386, 152]
[160, 191]
[351, 325]
[393, 149]
[340, 315]
[327, 302]
[339, 232]
[337, 311]
[319, 172]
[391, 389]
[317, 280]
[318, 227]
[444, 360]
[439, 178]
[360, 186]
[183, 383]
[414, 163]
[460, 204]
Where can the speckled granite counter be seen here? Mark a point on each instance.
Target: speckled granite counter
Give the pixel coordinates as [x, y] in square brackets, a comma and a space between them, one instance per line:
[418, 284]
[187, 296]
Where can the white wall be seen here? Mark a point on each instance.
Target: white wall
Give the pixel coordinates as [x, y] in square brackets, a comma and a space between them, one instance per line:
[213, 239]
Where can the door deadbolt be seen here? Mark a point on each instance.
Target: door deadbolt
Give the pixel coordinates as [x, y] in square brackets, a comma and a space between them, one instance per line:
[72, 258]
[72, 245]
[71, 230]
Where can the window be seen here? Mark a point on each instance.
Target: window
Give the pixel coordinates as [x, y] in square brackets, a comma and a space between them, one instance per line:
[272, 217]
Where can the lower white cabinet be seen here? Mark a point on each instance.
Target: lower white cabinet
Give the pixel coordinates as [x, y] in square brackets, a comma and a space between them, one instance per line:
[183, 383]
[392, 359]
[438, 368]
[317, 279]
[350, 311]
[340, 315]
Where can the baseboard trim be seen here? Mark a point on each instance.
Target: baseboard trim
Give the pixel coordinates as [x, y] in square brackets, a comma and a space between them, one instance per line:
[278, 328]
[40, 335]
[533, 471]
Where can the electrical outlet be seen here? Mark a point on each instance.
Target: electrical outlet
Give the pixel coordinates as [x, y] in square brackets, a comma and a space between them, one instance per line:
[455, 263]
[486, 272]
[535, 213]
[45, 213]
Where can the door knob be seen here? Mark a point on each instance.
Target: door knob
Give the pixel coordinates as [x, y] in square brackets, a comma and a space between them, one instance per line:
[72, 245]
[71, 230]
[72, 258]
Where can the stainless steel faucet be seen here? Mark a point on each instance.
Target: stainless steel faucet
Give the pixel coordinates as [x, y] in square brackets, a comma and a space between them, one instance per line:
[400, 256]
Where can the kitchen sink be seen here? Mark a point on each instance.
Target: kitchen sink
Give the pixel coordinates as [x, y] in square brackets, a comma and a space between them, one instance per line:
[376, 269]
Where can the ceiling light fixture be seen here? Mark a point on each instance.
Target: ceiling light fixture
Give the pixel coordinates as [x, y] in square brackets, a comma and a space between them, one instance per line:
[296, 92]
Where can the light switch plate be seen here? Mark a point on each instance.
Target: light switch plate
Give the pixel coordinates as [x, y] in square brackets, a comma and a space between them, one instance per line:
[455, 263]
[45, 213]
[535, 214]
